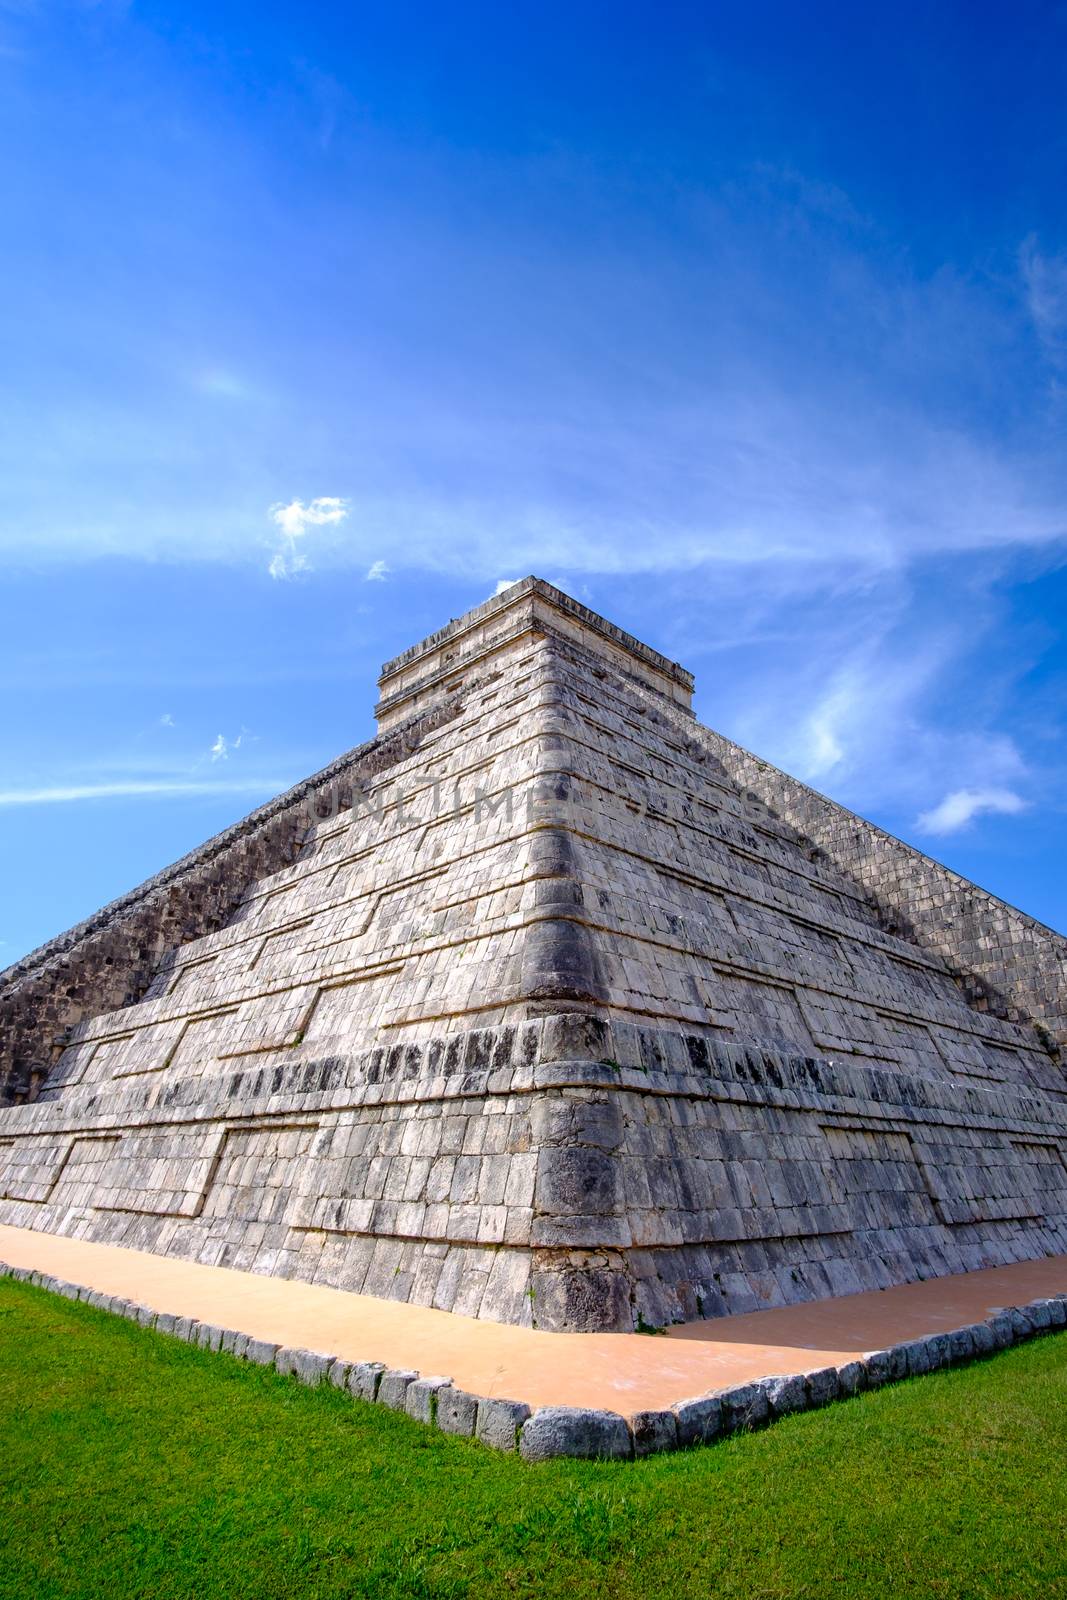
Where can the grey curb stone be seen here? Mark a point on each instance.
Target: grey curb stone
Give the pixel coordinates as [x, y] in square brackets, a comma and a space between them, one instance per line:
[960, 1343]
[852, 1378]
[309, 1366]
[1000, 1326]
[579, 1431]
[420, 1399]
[878, 1366]
[363, 1379]
[982, 1338]
[823, 1386]
[654, 1431]
[1039, 1314]
[785, 1394]
[261, 1352]
[744, 1407]
[939, 1350]
[499, 1422]
[575, 1431]
[1022, 1326]
[699, 1420]
[393, 1388]
[457, 1412]
[917, 1355]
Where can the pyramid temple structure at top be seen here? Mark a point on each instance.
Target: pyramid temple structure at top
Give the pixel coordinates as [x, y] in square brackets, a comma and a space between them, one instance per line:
[552, 1006]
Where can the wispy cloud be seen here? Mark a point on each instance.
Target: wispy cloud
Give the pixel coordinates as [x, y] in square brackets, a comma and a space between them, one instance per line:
[293, 522]
[61, 793]
[167, 721]
[505, 583]
[377, 572]
[220, 750]
[961, 807]
[1045, 281]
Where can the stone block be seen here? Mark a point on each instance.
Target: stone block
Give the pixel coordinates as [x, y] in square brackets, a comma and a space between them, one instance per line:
[823, 1386]
[744, 1407]
[309, 1366]
[1002, 1330]
[393, 1387]
[261, 1352]
[852, 1378]
[457, 1412]
[653, 1431]
[575, 1431]
[420, 1399]
[363, 1379]
[499, 1422]
[785, 1394]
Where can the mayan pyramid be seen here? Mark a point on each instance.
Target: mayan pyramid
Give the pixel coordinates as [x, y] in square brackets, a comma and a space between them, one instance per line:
[547, 1005]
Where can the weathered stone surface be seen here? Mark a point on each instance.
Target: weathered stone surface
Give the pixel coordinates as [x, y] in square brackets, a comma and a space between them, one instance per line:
[785, 1394]
[551, 1006]
[261, 1352]
[310, 1366]
[420, 1400]
[364, 1378]
[1002, 1329]
[917, 1357]
[574, 1431]
[981, 1338]
[852, 1378]
[499, 1422]
[653, 1431]
[700, 1421]
[1055, 1310]
[1023, 1325]
[457, 1412]
[393, 1388]
[338, 1373]
[744, 1406]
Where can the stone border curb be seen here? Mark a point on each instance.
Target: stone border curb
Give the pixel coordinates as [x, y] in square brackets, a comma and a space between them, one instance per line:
[578, 1431]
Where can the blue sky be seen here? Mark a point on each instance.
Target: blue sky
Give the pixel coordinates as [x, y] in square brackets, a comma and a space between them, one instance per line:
[746, 325]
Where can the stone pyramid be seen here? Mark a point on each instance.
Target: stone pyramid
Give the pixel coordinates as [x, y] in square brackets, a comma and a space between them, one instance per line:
[547, 1005]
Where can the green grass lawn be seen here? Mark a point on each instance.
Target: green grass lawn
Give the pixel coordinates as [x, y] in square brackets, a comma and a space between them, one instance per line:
[132, 1464]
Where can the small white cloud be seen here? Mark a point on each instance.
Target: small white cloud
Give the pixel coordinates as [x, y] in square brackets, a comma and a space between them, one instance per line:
[378, 572]
[960, 807]
[220, 381]
[505, 583]
[293, 522]
[220, 749]
[167, 721]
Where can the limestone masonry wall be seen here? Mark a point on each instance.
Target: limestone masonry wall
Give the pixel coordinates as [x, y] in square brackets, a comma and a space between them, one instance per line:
[109, 960]
[580, 1017]
[1019, 964]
